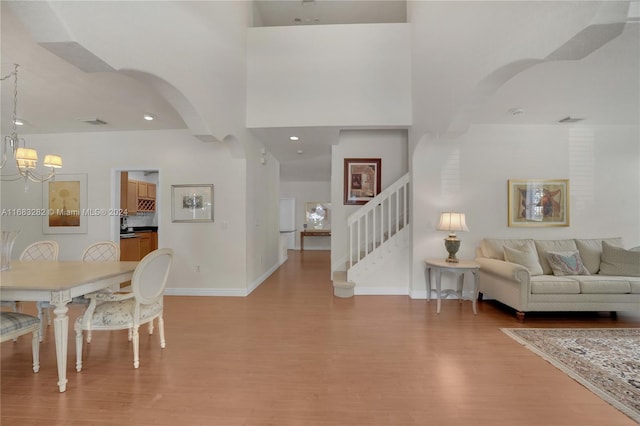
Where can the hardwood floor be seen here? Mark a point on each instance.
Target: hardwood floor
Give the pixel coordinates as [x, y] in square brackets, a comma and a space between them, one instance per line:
[292, 354]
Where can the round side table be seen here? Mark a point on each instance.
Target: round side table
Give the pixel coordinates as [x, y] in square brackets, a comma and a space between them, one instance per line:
[440, 265]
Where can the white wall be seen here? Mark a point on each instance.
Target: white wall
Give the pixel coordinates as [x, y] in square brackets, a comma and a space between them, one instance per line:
[470, 174]
[219, 248]
[391, 147]
[304, 192]
[329, 75]
[261, 196]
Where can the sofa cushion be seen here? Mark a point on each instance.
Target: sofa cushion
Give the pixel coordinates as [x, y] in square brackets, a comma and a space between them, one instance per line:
[494, 248]
[597, 284]
[550, 284]
[566, 263]
[635, 285]
[591, 250]
[525, 255]
[618, 261]
[544, 246]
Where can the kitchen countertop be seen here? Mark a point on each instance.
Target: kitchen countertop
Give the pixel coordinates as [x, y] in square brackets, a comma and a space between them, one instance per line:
[139, 229]
[145, 228]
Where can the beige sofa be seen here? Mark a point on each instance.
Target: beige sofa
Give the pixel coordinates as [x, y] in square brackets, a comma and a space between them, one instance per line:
[560, 275]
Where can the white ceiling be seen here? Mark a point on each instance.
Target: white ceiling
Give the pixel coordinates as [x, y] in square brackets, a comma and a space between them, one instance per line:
[55, 96]
[327, 12]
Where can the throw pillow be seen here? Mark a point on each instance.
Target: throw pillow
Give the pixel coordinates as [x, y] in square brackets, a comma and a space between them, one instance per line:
[566, 263]
[545, 246]
[618, 261]
[526, 256]
[591, 250]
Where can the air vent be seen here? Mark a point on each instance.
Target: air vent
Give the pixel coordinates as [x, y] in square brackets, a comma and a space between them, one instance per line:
[570, 120]
[93, 121]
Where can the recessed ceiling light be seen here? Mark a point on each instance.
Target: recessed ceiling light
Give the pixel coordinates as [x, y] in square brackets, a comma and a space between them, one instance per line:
[300, 151]
[18, 122]
[294, 138]
[149, 117]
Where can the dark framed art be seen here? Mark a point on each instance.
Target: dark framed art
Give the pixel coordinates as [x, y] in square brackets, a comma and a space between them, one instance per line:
[362, 179]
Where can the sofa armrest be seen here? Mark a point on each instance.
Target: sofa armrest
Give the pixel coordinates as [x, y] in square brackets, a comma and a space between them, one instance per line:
[503, 269]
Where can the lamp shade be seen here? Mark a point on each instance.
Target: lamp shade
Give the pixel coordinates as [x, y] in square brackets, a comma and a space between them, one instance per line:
[53, 161]
[26, 158]
[452, 222]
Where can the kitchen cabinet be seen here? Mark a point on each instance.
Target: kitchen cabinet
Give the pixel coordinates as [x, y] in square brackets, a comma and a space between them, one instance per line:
[137, 196]
[132, 197]
[129, 248]
[154, 241]
[128, 194]
[146, 192]
[137, 247]
[142, 189]
[145, 243]
[151, 191]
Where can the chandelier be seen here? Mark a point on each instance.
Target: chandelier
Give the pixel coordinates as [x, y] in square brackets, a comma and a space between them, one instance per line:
[25, 159]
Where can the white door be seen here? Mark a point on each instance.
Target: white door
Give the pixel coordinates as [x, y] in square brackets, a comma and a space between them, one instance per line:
[288, 221]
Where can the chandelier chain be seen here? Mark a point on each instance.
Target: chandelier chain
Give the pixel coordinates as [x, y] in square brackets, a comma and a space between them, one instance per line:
[14, 74]
[25, 158]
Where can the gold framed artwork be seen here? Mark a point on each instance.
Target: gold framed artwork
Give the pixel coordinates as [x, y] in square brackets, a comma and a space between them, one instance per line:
[362, 179]
[538, 202]
[192, 203]
[64, 203]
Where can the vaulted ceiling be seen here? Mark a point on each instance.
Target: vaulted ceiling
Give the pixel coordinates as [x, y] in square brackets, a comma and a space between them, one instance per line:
[57, 97]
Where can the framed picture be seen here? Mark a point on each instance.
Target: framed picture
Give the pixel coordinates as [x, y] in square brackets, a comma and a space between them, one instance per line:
[192, 203]
[64, 202]
[317, 215]
[361, 179]
[539, 202]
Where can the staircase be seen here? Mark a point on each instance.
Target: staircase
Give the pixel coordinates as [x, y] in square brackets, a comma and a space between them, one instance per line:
[376, 231]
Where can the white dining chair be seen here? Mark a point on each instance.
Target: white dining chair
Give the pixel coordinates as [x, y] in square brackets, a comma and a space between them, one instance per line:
[41, 251]
[15, 324]
[123, 311]
[102, 251]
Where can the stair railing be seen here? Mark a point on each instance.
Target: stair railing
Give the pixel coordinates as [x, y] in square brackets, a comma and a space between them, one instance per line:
[378, 220]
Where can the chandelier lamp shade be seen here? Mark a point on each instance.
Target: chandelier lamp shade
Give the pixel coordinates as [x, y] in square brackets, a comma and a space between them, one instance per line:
[452, 223]
[14, 149]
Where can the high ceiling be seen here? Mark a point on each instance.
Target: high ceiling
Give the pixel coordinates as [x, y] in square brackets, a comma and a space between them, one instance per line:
[56, 97]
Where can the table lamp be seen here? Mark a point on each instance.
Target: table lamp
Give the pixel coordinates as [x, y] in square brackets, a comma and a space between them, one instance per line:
[452, 222]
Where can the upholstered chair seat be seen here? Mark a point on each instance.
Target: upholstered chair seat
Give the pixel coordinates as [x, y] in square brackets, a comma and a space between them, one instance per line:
[15, 324]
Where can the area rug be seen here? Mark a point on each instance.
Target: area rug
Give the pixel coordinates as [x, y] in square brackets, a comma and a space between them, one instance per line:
[604, 360]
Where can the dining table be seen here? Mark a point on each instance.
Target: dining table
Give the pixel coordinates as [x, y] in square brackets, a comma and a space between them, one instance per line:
[58, 282]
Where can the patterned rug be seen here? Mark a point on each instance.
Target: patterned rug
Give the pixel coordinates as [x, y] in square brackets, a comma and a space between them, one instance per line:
[604, 360]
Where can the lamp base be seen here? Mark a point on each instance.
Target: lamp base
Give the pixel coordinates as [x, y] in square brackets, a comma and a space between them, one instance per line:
[452, 244]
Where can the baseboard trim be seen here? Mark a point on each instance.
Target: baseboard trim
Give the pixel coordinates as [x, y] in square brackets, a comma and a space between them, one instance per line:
[380, 291]
[228, 292]
[233, 292]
